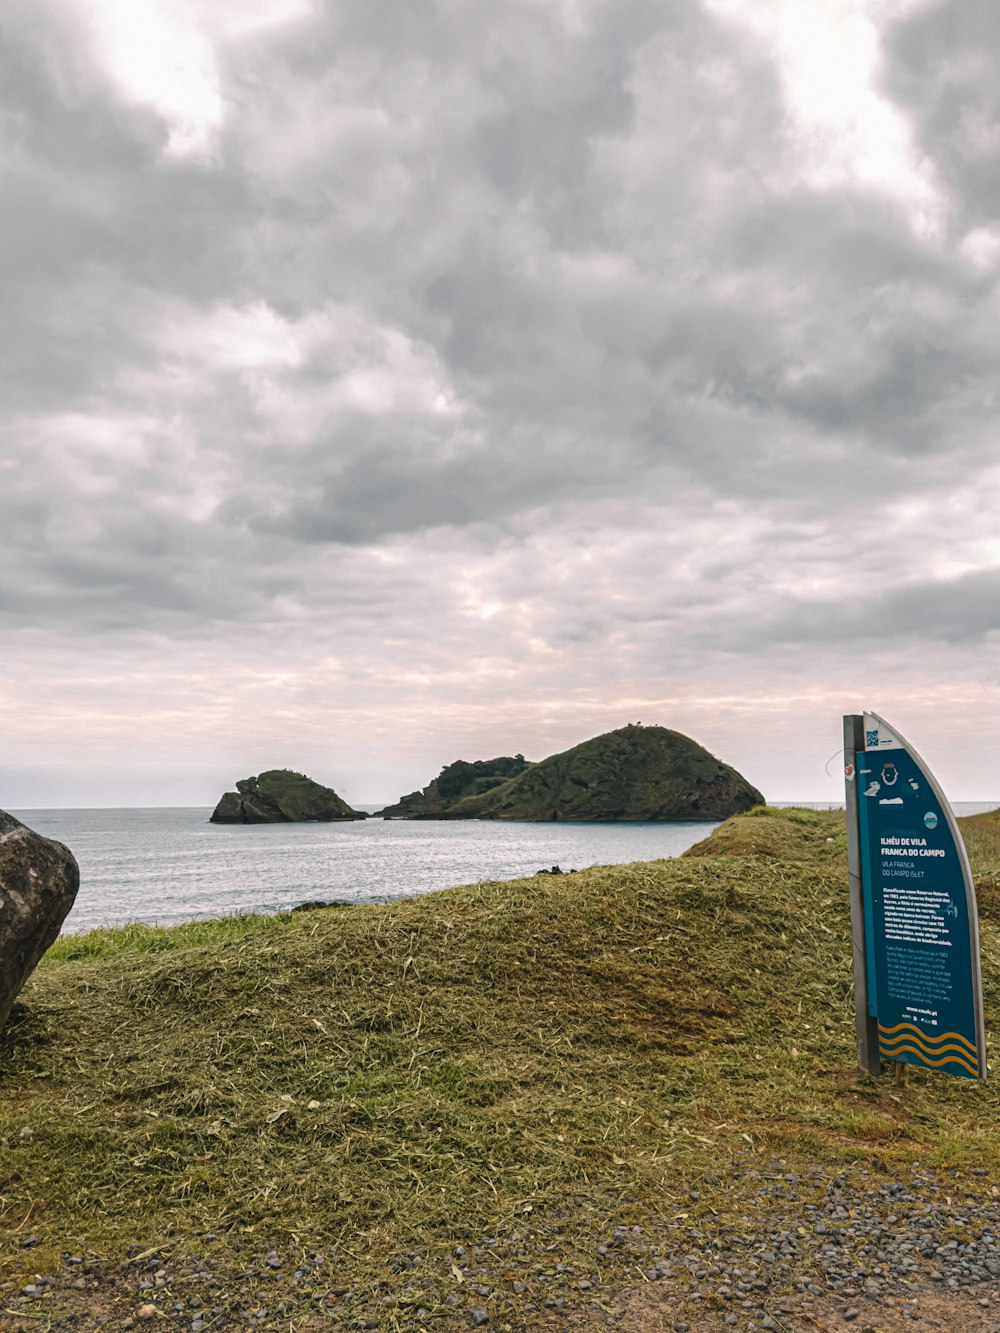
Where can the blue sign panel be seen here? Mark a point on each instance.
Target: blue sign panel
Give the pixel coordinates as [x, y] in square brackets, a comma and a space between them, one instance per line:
[920, 920]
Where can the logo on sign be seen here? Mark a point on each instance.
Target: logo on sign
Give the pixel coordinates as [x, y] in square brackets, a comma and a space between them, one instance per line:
[930, 819]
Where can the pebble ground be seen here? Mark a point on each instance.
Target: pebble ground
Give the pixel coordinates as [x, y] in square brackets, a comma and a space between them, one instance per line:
[769, 1248]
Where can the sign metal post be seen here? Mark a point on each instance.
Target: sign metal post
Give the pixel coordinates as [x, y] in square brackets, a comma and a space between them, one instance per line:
[866, 1025]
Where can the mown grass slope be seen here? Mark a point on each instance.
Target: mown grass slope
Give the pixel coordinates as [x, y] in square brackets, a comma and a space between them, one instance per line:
[379, 1077]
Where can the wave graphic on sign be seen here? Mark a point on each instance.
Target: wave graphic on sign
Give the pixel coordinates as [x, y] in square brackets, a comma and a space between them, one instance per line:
[934, 1051]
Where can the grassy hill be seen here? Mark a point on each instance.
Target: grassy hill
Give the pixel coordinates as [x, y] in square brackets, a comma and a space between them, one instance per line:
[523, 1060]
[634, 773]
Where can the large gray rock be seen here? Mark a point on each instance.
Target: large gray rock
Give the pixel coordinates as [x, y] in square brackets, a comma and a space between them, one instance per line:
[39, 880]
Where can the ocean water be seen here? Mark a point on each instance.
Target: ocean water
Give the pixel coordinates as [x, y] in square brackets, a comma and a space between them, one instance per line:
[163, 866]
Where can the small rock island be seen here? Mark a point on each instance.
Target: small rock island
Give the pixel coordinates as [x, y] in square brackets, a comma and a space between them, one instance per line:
[281, 796]
[633, 774]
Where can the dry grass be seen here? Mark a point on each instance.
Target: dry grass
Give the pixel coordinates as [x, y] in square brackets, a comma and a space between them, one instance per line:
[384, 1077]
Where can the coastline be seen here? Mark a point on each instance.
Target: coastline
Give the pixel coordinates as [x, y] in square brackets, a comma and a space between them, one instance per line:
[168, 866]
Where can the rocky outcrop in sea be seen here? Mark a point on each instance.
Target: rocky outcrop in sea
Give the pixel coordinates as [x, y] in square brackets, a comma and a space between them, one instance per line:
[280, 796]
[454, 783]
[637, 774]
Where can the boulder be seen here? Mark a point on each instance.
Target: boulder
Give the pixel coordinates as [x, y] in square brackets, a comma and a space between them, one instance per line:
[280, 796]
[39, 880]
[322, 905]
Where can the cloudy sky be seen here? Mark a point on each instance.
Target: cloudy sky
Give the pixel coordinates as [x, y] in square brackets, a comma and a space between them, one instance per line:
[391, 381]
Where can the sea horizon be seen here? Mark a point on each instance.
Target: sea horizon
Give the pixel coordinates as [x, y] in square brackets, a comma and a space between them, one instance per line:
[370, 807]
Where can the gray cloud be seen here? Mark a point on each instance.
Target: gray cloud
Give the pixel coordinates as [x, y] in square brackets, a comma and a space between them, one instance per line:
[941, 67]
[533, 334]
[962, 611]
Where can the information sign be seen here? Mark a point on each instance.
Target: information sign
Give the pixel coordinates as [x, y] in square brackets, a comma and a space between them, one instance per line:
[920, 947]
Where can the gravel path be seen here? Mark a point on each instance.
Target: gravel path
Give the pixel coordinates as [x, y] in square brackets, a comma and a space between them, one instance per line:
[818, 1252]
[809, 1251]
